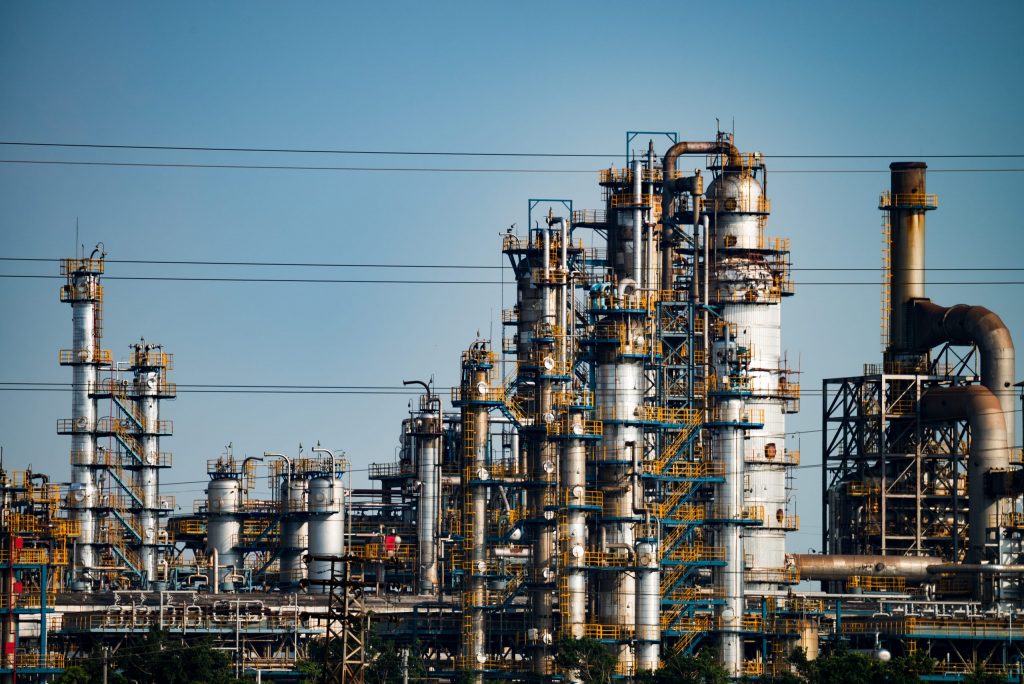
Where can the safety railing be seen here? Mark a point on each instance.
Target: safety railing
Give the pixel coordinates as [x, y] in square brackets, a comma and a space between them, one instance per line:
[487, 394]
[752, 668]
[1014, 519]
[627, 200]
[630, 302]
[70, 266]
[28, 598]
[565, 425]
[510, 316]
[697, 552]
[877, 584]
[64, 528]
[589, 216]
[29, 556]
[747, 416]
[788, 575]
[908, 200]
[378, 471]
[753, 513]
[608, 632]
[81, 292]
[379, 552]
[69, 357]
[613, 175]
[575, 398]
[781, 521]
[152, 358]
[589, 499]
[38, 661]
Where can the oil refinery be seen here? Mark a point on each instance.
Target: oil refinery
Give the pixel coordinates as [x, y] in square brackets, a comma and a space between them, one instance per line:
[614, 466]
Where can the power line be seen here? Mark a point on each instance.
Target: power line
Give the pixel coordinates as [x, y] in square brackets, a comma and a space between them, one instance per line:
[452, 153]
[419, 169]
[305, 264]
[220, 279]
[186, 262]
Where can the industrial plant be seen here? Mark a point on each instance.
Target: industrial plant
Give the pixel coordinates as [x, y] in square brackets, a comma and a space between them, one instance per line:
[613, 467]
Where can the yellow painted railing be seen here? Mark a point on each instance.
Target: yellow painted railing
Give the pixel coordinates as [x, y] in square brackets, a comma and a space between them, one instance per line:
[915, 200]
[72, 356]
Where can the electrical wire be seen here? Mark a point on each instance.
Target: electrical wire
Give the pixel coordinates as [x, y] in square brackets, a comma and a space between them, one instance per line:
[302, 264]
[450, 153]
[418, 169]
[218, 279]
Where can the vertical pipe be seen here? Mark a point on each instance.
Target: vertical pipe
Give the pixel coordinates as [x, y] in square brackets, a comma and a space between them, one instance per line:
[729, 451]
[648, 605]
[638, 230]
[574, 483]
[907, 213]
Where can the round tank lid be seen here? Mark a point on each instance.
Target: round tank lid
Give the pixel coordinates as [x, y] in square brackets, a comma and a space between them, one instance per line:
[904, 165]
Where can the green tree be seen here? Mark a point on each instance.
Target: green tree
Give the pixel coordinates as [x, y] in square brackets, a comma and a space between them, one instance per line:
[386, 663]
[842, 666]
[592, 661]
[702, 668]
[158, 659]
[981, 676]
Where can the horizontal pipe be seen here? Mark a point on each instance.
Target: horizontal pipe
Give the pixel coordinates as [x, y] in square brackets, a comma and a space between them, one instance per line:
[973, 568]
[833, 567]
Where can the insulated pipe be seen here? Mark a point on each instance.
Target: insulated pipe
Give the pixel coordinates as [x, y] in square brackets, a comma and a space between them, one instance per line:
[964, 324]
[729, 452]
[841, 567]
[546, 258]
[667, 191]
[988, 452]
[906, 250]
[574, 483]
[648, 606]
[638, 249]
[427, 452]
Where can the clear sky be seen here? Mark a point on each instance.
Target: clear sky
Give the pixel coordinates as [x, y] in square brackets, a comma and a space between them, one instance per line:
[901, 79]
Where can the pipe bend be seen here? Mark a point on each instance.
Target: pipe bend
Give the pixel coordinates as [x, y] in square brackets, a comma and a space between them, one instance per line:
[960, 324]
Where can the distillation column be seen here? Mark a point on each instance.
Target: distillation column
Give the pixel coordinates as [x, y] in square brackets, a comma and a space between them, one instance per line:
[750, 392]
[85, 294]
[542, 368]
[149, 365]
[426, 429]
[475, 396]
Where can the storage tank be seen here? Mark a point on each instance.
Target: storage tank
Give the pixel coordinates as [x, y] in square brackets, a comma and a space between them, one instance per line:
[223, 503]
[294, 531]
[326, 524]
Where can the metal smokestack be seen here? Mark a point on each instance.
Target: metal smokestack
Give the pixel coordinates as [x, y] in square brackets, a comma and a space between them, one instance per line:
[907, 204]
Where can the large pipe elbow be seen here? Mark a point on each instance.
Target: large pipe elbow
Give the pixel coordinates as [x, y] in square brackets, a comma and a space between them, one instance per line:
[966, 324]
[669, 187]
[989, 451]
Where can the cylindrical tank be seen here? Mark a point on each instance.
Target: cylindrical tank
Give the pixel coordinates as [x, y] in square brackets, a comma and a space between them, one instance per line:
[326, 524]
[223, 502]
[294, 530]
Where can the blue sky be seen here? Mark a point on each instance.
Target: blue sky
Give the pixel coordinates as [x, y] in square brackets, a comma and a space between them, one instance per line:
[899, 79]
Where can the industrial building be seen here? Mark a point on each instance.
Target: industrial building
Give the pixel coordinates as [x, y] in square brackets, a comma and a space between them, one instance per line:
[614, 467]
